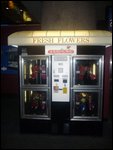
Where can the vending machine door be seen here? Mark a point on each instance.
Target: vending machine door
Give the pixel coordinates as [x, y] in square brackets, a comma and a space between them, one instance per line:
[87, 105]
[34, 70]
[35, 87]
[87, 71]
[87, 87]
[35, 103]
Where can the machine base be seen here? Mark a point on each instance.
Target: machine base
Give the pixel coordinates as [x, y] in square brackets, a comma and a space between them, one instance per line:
[63, 128]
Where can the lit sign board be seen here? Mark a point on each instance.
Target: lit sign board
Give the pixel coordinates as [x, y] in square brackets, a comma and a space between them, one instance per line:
[60, 40]
[87, 37]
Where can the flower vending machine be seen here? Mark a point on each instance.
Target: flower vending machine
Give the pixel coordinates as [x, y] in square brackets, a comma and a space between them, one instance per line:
[61, 89]
[61, 77]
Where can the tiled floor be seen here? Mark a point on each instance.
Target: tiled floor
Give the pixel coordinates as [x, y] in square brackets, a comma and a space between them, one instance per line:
[11, 138]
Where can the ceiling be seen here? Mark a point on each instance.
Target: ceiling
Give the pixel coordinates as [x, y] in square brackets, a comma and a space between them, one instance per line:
[35, 8]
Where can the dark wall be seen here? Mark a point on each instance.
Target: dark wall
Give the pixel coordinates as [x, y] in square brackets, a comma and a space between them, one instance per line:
[6, 30]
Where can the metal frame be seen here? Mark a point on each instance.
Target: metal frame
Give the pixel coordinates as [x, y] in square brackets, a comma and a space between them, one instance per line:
[35, 57]
[88, 57]
[35, 87]
[73, 117]
[36, 116]
[87, 88]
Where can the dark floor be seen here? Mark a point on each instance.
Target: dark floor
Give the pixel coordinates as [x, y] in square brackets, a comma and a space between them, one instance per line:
[12, 138]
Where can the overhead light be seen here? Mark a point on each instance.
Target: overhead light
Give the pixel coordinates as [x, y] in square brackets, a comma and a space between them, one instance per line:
[26, 17]
[11, 4]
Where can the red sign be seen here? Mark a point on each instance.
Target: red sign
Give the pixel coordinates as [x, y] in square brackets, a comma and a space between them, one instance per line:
[60, 51]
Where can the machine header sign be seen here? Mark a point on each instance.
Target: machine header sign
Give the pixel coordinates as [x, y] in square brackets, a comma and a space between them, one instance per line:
[60, 49]
[74, 37]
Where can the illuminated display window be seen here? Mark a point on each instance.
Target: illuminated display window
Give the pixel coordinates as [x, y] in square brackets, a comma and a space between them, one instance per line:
[35, 102]
[35, 71]
[87, 72]
[86, 104]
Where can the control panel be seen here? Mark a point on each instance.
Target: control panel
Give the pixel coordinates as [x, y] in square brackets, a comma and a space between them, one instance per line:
[60, 78]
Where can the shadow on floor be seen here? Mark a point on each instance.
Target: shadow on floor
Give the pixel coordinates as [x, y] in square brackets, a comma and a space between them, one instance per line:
[12, 138]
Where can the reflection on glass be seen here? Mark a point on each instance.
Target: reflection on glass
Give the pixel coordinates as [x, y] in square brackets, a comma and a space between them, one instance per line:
[35, 72]
[13, 57]
[87, 72]
[35, 102]
[86, 104]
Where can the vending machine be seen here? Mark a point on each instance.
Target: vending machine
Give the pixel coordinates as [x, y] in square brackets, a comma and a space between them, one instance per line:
[63, 89]
[64, 79]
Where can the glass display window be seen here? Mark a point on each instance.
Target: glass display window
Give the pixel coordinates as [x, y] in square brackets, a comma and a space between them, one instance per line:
[35, 103]
[35, 72]
[35, 87]
[87, 71]
[86, 104]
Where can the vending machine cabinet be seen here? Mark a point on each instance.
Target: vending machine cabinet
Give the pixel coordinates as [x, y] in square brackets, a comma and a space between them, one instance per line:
[61, 91]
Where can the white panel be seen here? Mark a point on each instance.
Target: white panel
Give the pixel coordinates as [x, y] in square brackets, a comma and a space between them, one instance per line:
[60, 78]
